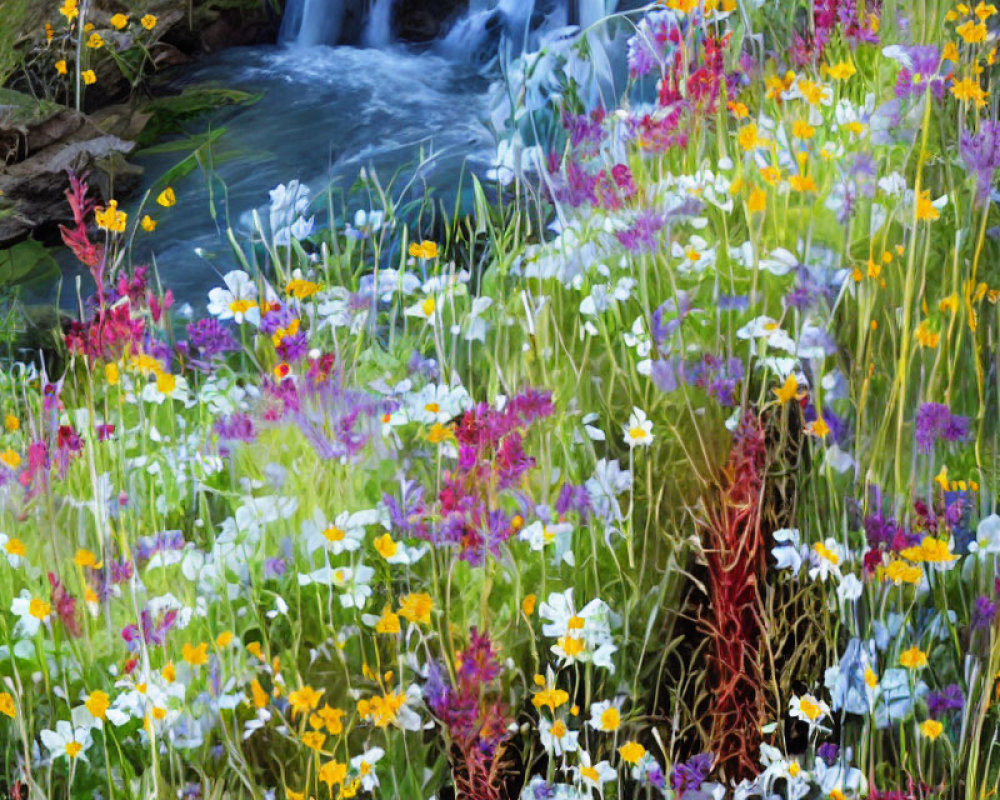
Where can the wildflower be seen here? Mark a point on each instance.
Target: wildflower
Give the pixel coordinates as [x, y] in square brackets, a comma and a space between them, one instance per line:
[583, 635]
[935, 422]
[364, 765]
[301, 289]
[70, 10]
[61, 67]
[556, 738]
[110, 218]
[787, 550]
[789, 390]
[119, 21]
[416, 608]
[639, 430]
[424, 250]
[594, 776]
[304, 700]
[89, 77]
[691, 774]
[631, 752]
[344, 534]
[195, 655]
[931, 728]
[314, 740]
[97, 704]
[528, 604]
[238, 301]
[900, 572]
[914, 658]
[67, 740]
[809, 709]
[969, 90]
[331, 773]
[31, 613]
[926, 210]
[841, 71]
[148, 223]
[10, 458]
[167, 198]
[930, 550]
[7, 705]
[539, 535]
[95, 42]
[148, 22]
[605, 716]
[392, 708]
[388, 623]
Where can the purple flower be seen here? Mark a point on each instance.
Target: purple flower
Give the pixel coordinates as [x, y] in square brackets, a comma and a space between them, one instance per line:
[828, 753]
[274, 567]
[935, 422]
[208, 339]
[642, 236]
[981, 154]
[690, 775]
[983, 613]
[573, 498]
[918, 72]
[236, 427]
[948, 699]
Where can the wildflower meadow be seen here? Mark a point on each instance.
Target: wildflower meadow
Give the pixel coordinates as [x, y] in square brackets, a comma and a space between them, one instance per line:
[660, 459]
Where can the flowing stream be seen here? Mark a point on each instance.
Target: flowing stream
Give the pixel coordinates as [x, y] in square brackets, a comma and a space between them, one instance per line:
[328, 109]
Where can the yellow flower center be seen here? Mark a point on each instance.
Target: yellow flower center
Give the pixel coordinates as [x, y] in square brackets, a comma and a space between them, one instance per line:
[39, 608]
[73, 749]
[334, 534]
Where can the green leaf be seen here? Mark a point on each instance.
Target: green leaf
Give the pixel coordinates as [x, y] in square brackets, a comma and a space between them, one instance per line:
[25, 263]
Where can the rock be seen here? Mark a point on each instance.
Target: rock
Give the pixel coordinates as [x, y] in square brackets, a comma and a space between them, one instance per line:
[426, 20]
[38, 147]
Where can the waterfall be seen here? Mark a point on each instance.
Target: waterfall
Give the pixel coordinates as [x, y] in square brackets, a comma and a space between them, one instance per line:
[378, 27]
[311, 22]
[476, 36]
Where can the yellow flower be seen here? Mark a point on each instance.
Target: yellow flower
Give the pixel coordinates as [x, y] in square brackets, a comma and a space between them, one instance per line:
[930, 550]
[385, 546]
[426, 249]
[39, 609]
[749, 138]
[757, 201]
[528, 605]
[195, 655]
[967, 90]
[95, 42]
[61, 66]
[417, 608]
[169, 672]
[925, 208]
[69, 10]
[11, 423]
[333, 718]
[388, 623]
[148, 22]
[972, 32]
[842, 71]
[984, 11]
[802, 183]
[89, 77]
[788, 391]
[382, 710]
[111, 374]
[85, 558]
[304, 700]
[914, 658]
[97, 704]
[802, 129]
[15, 547]
[901, 572]
[631, 752]
[166, 198]
[148, 224]
[313, 740]
[223, 639]
[551, 698]
[258, 693]
[7, 705]
[302, 289]
[931, 728]
[119, 21]
[11, 458]
[925, 336]
[818, 428]
[332, 773]
[110, 218]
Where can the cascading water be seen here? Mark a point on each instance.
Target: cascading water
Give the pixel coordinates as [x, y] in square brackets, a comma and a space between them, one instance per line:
[522, 23]
[312, 22]
[378, 26]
